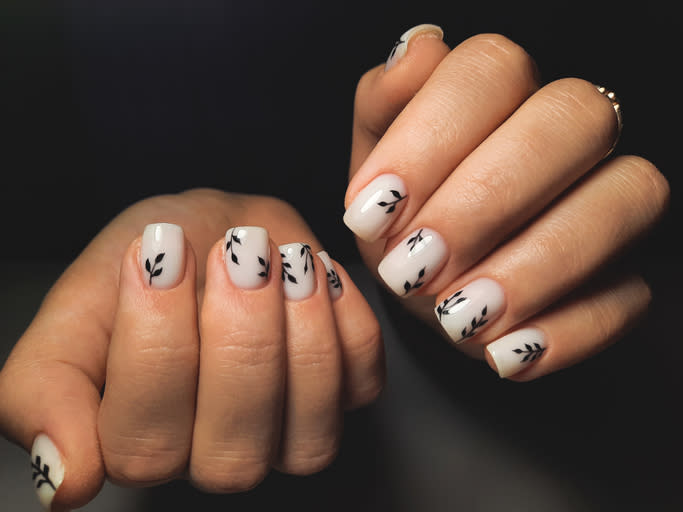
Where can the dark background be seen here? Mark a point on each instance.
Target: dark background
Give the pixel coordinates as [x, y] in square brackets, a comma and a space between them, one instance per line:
[104, 103]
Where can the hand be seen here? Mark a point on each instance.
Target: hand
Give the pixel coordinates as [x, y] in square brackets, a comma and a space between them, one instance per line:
[486, 202]
[276, 368]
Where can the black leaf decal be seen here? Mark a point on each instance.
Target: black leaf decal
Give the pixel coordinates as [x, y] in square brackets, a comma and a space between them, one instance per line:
[531, 353]
[230, 248]
[413, 241]
[266, 267]
[333, 279]
[392, 204]
[476, 325]
[159, 257]
[157, 272]
[291, 278]
[41, 473]
[407, 286]
[152, 270]
[148, 267]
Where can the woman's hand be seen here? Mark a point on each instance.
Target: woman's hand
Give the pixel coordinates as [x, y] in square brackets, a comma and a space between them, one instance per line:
[183, 353]
[486, 203]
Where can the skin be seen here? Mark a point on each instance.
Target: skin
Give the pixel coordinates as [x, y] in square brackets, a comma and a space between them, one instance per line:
[527, 168]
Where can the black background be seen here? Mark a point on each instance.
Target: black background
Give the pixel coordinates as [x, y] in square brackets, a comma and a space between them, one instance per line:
[104, 103]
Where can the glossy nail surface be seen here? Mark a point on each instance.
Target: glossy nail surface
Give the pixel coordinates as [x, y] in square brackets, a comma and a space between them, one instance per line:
[376, 207]
[413, 262]
[466, 312]
[47, 469]
[334, 285]
[162, 255]
[247, 256]
[516, 351]
[401, 46]
[298, 271]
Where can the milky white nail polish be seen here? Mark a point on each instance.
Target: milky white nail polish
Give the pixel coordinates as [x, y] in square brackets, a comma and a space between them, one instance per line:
[298, 271]
[414, 261]
[162, 255]
[47, 469]
[376, 206]
[401, 46]
[466, 312]
[333, 283]
[517, 350]
[247, 256]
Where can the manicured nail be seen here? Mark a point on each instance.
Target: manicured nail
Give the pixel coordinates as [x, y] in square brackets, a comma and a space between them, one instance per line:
[413, 262]
[298, 271]
[401, 46]
[247, 256]
[333, 283]
[162, 255]
[376, 207]
[466, 312]
[47, 469]
[517, 350]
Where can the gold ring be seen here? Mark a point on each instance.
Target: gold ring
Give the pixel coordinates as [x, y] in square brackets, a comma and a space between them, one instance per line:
[617, 109]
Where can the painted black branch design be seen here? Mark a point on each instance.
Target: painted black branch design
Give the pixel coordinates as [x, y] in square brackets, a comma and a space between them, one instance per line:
[152, 270]
[476, 324]
[414, 240]
[230, 249]
[532, 353]
[308, 256]
[393, 50]
[407, 286]
[447, 305]
[41, 473]
[392, 204]
[333, 279]
[266, 267]
[287, 270]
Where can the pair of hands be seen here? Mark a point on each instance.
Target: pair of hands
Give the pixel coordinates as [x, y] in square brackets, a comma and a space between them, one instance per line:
[480, 198]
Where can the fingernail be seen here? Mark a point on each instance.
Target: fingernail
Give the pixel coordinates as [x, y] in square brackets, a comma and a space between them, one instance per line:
[333, 283]
[517, 350]
[468, 311]
[376, 207]
[247, 256]
[401, 46]
[298, 271]
[47, 469]
[162, 255]
[413, 262]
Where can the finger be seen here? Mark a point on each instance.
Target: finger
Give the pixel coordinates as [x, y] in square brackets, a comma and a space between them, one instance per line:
[362, 348]
[555, 137]
[313, 414]
[385, 90]
[242, 360]
[555, 254]
[572, 331]
[472, 91]
[147, 411]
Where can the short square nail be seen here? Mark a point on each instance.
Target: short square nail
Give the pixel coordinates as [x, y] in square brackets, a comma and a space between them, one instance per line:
[247, 256]
[47, 469]
[413, 262]
[401, 46]
[298, 271]
[162, 255]
[516, 351]
[334, 285]
[466, 312]
[376, 207]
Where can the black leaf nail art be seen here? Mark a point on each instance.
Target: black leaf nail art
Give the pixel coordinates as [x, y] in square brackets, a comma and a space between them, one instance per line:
[266, 267]
[475, 325]
[532, 353]
[152, 270]
[407, 286]
[393, 50]
[287, 270]
[306, 253]
[41, 474]
[448, 304]
[230, 249]
[333, 279]
[392, 204]
[414, 240]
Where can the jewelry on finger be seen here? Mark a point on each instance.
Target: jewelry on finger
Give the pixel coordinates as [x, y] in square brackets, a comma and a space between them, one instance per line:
[616, 105]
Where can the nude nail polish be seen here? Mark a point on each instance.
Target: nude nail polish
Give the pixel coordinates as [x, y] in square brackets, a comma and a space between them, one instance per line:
[298, 271]
[47, 469]
[376, 207]
[413, 262]
[401, 46]
[334, 285]
[518, 350]
[162, 255]
[468, 311]
[247, 256]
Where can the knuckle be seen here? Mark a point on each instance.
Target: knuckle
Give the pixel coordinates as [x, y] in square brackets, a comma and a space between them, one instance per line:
[579, 101]
[143, 462]
[311, 456]
[239, 350]
[643, 184]
[501, 50]
[229, 473]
